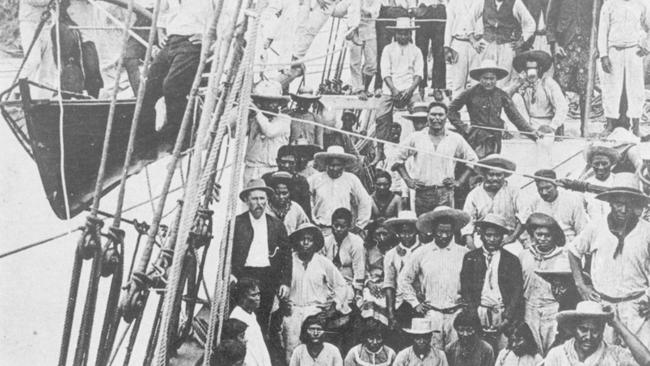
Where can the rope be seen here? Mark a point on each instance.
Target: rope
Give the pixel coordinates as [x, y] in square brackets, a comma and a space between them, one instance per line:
[300, 61]
[220, 302]
[38, 243]
[190, 199]
[398, 145]
[64, 185]
[565, 137]
[128, 21]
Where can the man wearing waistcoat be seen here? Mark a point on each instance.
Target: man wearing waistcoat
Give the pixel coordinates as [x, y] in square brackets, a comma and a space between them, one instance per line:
[506, 26]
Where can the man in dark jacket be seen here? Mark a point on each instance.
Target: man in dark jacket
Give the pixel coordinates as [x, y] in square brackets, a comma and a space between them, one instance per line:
[261, 249]
[287, 160]
[491, 281]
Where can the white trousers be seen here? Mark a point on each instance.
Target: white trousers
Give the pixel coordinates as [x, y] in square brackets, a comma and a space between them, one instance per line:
[458, 73]
[502, 54]
[312, 23]
[541, 320]
[627, 68]
[366, 52]
[40, 66]
[629, 315]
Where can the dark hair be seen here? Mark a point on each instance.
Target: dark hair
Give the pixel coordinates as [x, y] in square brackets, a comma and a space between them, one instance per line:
[523, 330]
[232, 328]
[467, 318]
[438, 104]
[383, 174]
[546, 173]
[309, 321]
[372, 228]
[372, 326]
[228, 353]
[285, 150]
[243, 286]
[342, 213]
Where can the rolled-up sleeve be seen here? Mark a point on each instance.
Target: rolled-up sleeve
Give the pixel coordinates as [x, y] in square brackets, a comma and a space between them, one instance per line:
[581, 244]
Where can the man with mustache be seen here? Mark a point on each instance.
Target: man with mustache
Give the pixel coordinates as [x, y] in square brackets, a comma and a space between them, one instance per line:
[494, 195]
[620, 257]
[587, 324]
[261, 249]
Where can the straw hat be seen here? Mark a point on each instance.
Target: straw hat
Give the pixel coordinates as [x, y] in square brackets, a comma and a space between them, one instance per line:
[493, 220]
[255, 185]
[551, 276]
[269, 90]
[419, 326]
[626, 185]
[622, 135]
[334, 152]
[539, 219]
[488, 65]
[403, 23]
[419, 110]
[496, 160]
[584, 310]
[403, 217]
[543, 59]
[280, 178]
[601, 149]
[305, 94]
[427, 221]
[308, 227]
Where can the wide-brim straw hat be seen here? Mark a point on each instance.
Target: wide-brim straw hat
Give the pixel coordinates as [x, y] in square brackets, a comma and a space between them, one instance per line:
[499, 161]
[494, 220]
[335, 152]
[308, 227]
[601, 149]
[419, 326]
[403, 217]
[488, 65]
[268, 90]
[419, 110]
[539, 219]
[255, 185]
[306, 95]
[302, 148]
[550, 276]
[427, 221]
[584, 310]
[403, 23]
[280, 178]
[543, 59]
[625, 185]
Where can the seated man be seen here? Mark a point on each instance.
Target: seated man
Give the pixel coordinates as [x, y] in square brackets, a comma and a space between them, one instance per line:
[587, 347]
[538, 96]
[469, 349]
[421, 352]
[372, 350]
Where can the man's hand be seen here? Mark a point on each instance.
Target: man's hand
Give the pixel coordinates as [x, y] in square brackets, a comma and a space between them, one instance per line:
[644, 308]
[642, 52]
[469, 241]
[392, 322]
[545, 130]
[323, 4]
[478, 44]
[588, 293]
[283, 292]
[516, 45]
[451, 56]
[162, 37]
[196, 38]
[450, 183]
[421, 309]
[349, 36]
[413, 184]
[607, 64]
[267, 43]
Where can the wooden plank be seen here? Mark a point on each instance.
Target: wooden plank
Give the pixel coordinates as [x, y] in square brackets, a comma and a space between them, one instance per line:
[349, 102]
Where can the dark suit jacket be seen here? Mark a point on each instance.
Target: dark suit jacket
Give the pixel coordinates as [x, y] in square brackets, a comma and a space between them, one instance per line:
[279, 249]
[511, 283]
[568, 18]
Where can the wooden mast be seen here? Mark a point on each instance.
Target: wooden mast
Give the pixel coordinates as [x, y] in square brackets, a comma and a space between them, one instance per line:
[584, 115]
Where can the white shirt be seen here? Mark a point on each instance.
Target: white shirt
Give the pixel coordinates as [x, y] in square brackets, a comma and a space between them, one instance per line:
[458, 23]
[491, 293]
[479, 203]
[317, 283]
[393, 265]
[258, 254]
[623, 23]
[402, 64]
[597, 209]
[186, 17]
[256, 352]
[265, 138]
[568, 210]
[328, 194]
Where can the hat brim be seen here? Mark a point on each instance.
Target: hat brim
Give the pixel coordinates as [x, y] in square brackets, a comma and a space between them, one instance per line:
[394, 27]
[318, 236]
[481, 224]
[395, 222]
[499, 72]
[272, 181]
[242, 195]
[555, 275]
[427, 221]
[309, 97]
[633, 195]
[322, 157]
[543, 59]
[417, 331]
[497, 163]
[567, 319]
[282, 98]
[415, 115]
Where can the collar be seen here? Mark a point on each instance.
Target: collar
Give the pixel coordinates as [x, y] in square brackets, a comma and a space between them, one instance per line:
[401, 250]
[435, 246]
[260, 220]
[445, 132]
[486, 253]
[538, 255]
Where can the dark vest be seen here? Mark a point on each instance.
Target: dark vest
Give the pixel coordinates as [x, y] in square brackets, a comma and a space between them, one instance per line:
[500, 26]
